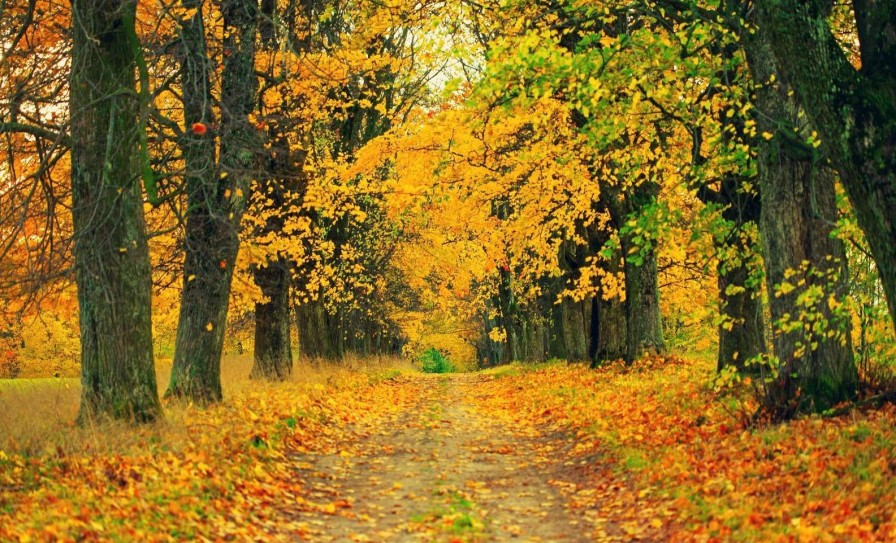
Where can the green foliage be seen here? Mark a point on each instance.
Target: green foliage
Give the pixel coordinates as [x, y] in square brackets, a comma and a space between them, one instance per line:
[433, 361]
[644, 229]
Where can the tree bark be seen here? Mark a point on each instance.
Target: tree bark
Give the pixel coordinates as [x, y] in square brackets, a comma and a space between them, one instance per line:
[742, 331]
[642, 307]
[273, 352]
[608, 325]
[509, 317]
[318, 331]
[216, 201]
[608, 330]
[854, 110]
[490, 353]
[112, 268]
[644, 327]
[742, 326]
[556, 341]
[804, 262]
[573, 319]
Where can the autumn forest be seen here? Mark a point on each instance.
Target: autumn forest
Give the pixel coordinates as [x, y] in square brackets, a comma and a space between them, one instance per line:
[448, 271]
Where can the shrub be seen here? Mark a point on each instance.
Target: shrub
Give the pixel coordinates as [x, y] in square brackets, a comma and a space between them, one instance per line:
[433, 361]
[10, 365]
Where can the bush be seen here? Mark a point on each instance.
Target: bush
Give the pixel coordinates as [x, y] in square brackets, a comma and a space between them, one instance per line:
[10, 365]
[433, 361]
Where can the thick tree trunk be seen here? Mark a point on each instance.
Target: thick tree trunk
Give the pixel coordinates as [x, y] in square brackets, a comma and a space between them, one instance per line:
[642, 307]
[608, 326]
[533, 334]
[853, 110]
[571, 323]
[216, 199]
[804, 263]
[112, 267]
[608, 330]
[273, 352]
[611, 329]
[644, 327]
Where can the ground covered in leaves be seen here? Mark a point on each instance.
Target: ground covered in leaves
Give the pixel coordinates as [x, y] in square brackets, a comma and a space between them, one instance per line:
[549, 453]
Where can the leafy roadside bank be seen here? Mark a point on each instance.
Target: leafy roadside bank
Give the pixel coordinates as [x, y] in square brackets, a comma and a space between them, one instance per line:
[220, 473]
[688, 468]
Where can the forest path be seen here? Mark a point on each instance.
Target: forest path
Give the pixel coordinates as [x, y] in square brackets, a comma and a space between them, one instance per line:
[440, 469]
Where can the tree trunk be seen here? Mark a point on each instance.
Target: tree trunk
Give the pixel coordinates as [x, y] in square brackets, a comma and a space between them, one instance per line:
[556, 335]
[804, 263]
[509, 317]
[742, 331]
[112, 267]
[490, 353]
[216, 199]
[644, 329]
[608, 330]
[742, 326]
[571, 322]
[318, 331]
[608, 327]
[642, 306]
[273, 353]
[853, 110]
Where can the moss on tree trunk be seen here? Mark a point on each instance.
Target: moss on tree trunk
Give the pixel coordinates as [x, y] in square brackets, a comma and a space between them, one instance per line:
[804, 262]
[112, 267]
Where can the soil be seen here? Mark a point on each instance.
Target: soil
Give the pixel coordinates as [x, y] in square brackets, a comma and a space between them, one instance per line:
[442, 470]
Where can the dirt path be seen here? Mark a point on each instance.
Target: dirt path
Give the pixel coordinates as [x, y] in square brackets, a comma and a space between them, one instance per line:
[441, 471]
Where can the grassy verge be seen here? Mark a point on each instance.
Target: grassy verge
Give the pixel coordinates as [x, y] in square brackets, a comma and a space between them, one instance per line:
[220, 473]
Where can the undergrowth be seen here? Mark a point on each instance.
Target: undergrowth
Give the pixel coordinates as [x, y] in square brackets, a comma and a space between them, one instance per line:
[434, 361]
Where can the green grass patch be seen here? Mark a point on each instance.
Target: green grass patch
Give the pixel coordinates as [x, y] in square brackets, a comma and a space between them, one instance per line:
[27, 384]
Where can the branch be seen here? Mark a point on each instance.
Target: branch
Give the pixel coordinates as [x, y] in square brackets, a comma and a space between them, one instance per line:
[36, 131]
[29, 18]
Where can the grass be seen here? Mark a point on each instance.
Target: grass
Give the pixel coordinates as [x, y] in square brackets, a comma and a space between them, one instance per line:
[37, 415]
[457, 517]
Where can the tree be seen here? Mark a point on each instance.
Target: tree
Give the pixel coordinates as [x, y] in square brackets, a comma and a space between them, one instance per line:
[273, 341]
[216, 192]
[111, 253]
[273, 350]
[852, 108]
[735, 196]
[805, 262]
